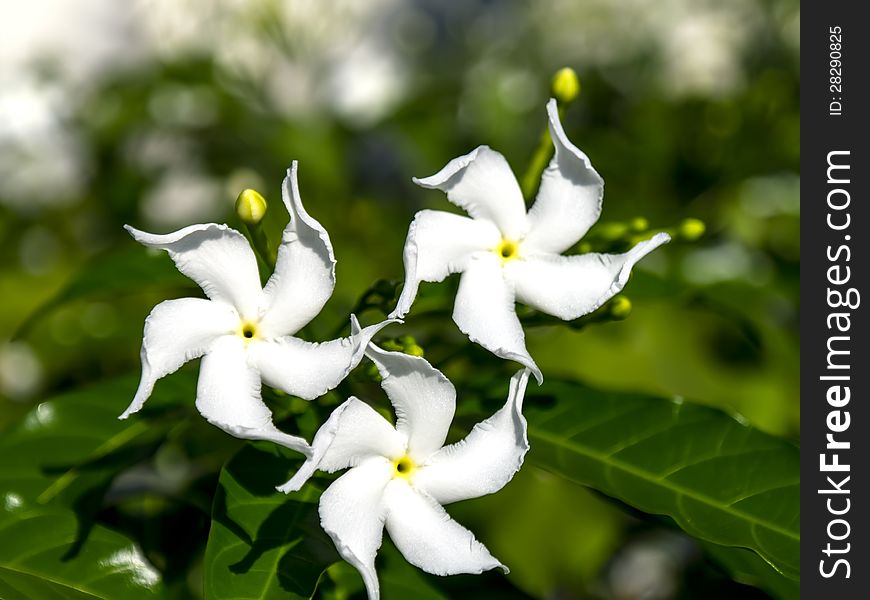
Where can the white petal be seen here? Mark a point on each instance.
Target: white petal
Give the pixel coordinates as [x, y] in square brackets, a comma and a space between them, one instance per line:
[428, 538]
[304, 274]
[352, 513]
[438, 244]
[353, 433]
[486, 459]
[424, 400]
[319, 446]
[228, 395]
[217, 258]
[362, 433]
[482, 183]
[177, 331]
[569, 199]
[307, 369]
[485, 312]
[569, 287]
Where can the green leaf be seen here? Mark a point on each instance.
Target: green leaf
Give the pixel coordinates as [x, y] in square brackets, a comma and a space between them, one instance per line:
[747, 567]
[720, 480]
[262, 543]
[35, 561]
[55, 466]
[73, 443]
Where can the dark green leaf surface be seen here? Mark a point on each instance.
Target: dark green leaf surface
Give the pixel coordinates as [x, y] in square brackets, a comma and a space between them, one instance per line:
[34, 561]
[264, 544]
[55, 466]
[719, 479]
[747, 567]
[71, 444]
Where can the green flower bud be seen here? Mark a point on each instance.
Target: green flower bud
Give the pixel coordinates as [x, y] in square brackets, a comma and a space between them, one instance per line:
[391, 345]
[414, 350]
[691, 229]
[565, 85]
[406, 340]
[638, 224]
[612, 231]
[372, 373]
[404, 343]
[620, 307]
[250, 207]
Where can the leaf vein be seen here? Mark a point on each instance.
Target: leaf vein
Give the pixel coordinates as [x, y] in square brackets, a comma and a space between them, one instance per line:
[613, 462]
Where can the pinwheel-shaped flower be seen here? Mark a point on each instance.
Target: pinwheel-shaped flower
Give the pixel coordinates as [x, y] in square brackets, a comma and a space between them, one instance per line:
[243, 332]
[506, 254]
[400, 476]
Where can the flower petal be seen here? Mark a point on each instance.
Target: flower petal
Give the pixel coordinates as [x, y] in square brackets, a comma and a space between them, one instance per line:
[486, 459]
[307, 369]
[217, 258]
[482, 183]
[352, 513]
[304, 274]
[177, 331]
[361, 434]
[569, 287]
[484, 311]
[354, 432]
[424, 400]
[438, 244]
[569, 199]
[428, 538]
[228, 396]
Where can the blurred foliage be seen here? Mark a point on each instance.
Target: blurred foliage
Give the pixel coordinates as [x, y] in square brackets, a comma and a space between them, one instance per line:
[688, 110]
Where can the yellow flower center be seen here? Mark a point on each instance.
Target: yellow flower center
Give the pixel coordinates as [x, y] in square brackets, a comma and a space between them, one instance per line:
[248, 331]
[507, 250]
[404, 467]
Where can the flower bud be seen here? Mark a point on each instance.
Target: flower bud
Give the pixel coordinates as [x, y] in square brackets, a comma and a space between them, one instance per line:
[620, 307]
[613, 231]
[565, 85]
[250, 207]
[391, 345]
[691, 229]
[638, 224]
[409, 345]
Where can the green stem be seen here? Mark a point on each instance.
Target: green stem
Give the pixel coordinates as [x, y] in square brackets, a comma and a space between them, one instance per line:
[260, 243]
[541, 158]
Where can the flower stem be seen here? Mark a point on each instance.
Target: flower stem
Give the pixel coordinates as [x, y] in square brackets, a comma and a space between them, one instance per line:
[251, 207]
[565, 88]
[266, 257]
[532, 176]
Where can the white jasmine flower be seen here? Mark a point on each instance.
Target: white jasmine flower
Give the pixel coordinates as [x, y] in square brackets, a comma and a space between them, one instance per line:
[400, 476]
[244, 331]
[506, 254]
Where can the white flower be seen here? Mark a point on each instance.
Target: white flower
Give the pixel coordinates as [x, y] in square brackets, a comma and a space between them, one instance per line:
[400, 476]
[506, 254]
[244, 331]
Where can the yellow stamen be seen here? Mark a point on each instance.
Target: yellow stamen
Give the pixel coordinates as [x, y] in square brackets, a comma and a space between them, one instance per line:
[507, 250]
[404, 467]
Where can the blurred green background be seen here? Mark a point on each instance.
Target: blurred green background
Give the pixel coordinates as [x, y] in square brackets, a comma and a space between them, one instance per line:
[158, 113]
